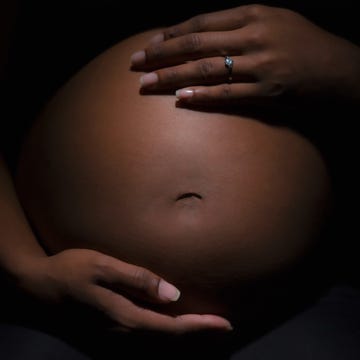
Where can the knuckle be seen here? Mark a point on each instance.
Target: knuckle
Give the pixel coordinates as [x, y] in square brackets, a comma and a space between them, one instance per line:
[225, 91]
[205, 69]
[266, 62]
[134, 319]
[192, 42]
[256, 11]
[139, 278]
[180, 328]
[170, 75]
[182, 325]
[172, 32]
[258, 34]
[90, 255]
[155, 52]
[198, 22]
[275, 88]
[273, 77]
[125, 320]
[283, 11]
[100, 261]
[195, 24]
[143, 280]
[100, 266]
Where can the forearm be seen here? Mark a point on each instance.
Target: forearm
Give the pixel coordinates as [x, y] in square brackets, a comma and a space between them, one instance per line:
[19, 247]
[18, 244]
[349, 88]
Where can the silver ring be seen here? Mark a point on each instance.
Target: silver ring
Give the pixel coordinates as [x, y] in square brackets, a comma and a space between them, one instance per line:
[229, 62]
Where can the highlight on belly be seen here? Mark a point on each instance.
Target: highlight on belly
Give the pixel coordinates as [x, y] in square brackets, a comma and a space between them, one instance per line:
[207, 200]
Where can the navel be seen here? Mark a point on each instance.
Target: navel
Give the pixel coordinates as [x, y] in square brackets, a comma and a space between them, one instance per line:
[189, 195]
[188, 199]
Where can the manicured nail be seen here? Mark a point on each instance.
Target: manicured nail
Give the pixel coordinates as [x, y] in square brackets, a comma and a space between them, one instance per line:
[149, 79]
[167, 291]
[158, 38]
[138, 58]
[227, 326]
[184, 93]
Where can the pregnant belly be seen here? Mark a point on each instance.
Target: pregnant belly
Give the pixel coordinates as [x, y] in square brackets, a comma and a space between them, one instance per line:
[206, 200]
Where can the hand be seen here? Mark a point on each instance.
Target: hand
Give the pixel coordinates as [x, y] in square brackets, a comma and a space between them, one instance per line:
[90, 277]
[276, 54]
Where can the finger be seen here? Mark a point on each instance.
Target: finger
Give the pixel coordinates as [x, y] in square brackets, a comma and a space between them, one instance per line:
[132, 317]
[224, 94]
[192, 47]
[207, 71]
[228, 19]
[187, 323]
[135, 280]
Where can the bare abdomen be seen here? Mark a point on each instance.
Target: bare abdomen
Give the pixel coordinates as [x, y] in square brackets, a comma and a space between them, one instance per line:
[206, 200]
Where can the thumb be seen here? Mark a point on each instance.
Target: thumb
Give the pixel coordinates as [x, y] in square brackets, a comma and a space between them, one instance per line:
[139, 282]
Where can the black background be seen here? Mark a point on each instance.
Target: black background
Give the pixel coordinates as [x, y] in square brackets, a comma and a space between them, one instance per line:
[53, 39]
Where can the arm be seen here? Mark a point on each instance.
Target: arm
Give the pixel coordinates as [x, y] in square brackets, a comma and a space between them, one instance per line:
[83, 275]
[77, 273]
[15, 227]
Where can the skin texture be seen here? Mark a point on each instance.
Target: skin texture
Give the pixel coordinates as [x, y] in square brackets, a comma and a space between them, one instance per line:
[208, 201]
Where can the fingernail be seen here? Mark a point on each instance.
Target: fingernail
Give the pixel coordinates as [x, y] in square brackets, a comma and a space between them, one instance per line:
[167, 291]
[157, 38]
[184, 93]
[227, 327]
[149, 79]
[138, 58]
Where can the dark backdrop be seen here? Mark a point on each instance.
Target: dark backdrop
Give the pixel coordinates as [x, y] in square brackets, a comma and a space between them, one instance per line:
[53, 39]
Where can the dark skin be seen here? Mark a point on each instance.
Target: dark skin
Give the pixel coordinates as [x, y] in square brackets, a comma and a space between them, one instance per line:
[207, 200]
[73, 273]
[278, 55]
[29, 270]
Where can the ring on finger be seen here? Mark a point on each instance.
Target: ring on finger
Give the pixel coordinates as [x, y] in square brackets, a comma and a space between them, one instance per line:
[229, 62]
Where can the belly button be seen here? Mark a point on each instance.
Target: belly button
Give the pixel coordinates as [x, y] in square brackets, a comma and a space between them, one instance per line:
[189, 196]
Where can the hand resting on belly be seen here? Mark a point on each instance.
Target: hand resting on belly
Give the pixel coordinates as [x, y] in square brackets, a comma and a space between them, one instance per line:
[207, 200]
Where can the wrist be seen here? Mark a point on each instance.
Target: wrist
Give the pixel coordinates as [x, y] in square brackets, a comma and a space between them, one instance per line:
[34, 277]
[24, 267]
[348, 84]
